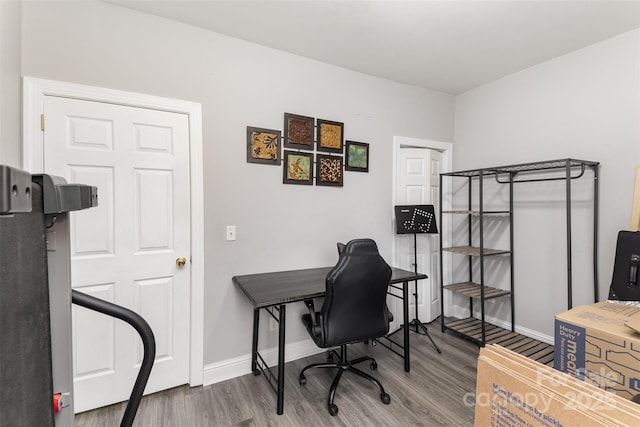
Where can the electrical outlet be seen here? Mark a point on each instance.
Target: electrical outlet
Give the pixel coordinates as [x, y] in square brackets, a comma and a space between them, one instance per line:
[273, 325]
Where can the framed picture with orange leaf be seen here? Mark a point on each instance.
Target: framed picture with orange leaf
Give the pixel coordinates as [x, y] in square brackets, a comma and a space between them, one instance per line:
[297, 168]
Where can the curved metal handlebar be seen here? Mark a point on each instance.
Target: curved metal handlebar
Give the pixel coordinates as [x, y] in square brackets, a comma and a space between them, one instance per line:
[148, 342]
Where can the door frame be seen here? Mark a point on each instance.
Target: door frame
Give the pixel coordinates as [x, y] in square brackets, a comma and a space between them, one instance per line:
[34, 91]
[446, 148]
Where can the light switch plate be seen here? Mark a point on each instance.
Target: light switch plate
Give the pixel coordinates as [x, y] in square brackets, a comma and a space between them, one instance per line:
[231, 232]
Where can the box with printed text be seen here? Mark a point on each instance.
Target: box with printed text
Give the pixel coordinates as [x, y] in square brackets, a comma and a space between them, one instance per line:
[596, 343]
[515, 391]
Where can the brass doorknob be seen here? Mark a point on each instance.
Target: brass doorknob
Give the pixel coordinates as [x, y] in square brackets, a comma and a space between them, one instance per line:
[180, 261]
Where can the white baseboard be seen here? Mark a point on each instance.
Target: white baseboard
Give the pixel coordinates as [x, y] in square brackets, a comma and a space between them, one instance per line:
[238, 366]
[462, 313]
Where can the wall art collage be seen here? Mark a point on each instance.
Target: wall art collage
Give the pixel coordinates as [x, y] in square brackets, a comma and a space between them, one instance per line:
[311, 150]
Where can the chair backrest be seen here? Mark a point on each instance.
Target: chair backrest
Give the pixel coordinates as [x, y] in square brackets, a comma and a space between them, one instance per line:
[355, 306]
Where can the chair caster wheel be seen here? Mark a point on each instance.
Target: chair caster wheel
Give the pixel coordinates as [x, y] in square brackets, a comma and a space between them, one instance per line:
[333, 410]
[302, 380]
[374, 365]
[386, 399]
[374, 343]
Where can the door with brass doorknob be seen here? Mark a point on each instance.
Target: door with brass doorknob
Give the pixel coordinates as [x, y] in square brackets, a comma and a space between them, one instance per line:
[129, 250]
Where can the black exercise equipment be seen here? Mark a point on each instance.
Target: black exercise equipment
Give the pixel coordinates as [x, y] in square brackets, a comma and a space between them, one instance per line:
[35, 302]
[624, 283]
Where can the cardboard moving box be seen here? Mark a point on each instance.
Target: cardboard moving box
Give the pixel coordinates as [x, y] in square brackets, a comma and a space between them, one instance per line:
[513, 391]
[595, 344]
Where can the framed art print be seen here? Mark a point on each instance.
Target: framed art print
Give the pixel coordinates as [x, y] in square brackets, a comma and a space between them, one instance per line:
[356, 156]
[263, 146]
[329, 136]
[297, 168]
[329, 170]
[298, 131]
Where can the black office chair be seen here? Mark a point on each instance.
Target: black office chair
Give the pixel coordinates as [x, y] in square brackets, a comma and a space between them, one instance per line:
[354, 310]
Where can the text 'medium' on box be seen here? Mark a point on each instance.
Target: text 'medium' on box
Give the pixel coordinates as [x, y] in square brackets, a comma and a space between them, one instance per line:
[594, 343]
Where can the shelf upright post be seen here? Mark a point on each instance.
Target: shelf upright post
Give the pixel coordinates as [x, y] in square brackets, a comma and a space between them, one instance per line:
[511, 246]
[568, 209]
[469, 231]
[441, 261]
[481, 230]
[596, 185]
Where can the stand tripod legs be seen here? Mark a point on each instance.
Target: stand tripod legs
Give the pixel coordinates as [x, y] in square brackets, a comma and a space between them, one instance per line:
[416, 321]
[420, 326]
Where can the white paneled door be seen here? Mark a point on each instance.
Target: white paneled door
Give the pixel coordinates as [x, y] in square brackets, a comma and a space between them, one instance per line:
[125, 249]
[418, 183]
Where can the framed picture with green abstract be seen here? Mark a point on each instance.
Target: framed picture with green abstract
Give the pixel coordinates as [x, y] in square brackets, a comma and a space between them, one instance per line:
[329, 170]
[263, 146]
[297, 168]
[357, 156]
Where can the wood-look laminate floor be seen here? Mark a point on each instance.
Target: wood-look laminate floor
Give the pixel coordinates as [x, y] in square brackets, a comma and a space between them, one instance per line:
[435, 393]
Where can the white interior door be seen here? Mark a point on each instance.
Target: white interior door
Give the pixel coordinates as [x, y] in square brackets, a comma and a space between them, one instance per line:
[125, 249]
[432, 309]
[418, 183]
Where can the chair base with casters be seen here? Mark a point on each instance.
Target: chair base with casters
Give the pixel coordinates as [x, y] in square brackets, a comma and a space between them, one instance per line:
[343, 365]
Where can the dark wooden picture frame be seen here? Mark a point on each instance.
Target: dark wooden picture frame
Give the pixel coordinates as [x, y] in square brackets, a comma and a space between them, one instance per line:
[263, 146]
[298, 131]
[329, 170]
[356, 156]
[297, 168]
[329, 136]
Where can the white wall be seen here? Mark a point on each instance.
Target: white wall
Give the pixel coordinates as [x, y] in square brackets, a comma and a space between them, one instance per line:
[241, 84]
[584, 105]
[10, 83]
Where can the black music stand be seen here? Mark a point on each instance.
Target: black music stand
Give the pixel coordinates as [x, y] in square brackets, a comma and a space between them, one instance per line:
[417, 219]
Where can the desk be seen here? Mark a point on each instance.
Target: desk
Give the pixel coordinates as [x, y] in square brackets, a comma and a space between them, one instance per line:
[273, 291]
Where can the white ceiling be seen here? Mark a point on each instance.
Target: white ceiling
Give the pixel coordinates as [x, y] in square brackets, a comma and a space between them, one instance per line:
[446, 45]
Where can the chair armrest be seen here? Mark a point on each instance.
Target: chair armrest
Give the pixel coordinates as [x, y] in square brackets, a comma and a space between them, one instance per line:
[389, 314]
[315, 326]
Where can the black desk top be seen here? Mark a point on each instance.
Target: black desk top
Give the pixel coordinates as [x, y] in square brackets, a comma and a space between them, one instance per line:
[267, 289]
